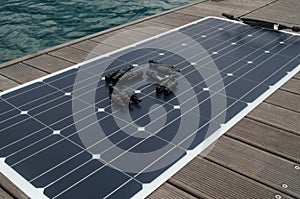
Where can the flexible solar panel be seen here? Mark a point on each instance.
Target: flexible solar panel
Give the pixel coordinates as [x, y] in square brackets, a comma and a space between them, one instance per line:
[62, 136]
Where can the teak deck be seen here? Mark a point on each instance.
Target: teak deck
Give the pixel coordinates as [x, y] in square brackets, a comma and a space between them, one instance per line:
[258, 158]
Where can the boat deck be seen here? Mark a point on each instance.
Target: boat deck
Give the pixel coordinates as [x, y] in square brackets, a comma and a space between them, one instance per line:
[258, 158]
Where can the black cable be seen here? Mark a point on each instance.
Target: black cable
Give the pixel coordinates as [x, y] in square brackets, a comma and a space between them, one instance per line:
[261, 23]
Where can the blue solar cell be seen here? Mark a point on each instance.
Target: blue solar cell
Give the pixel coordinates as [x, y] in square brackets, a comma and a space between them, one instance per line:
[61, 169]
[24, 89]
[98, 188]
[147, 177]
[23, 142]
[70, 178]
[127, 191]
[53, 156]
[31, 95]
[18, 131]
[8, 111]
[10, 122]
[30, 150]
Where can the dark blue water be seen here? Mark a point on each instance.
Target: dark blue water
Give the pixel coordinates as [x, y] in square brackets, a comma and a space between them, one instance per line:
[27, 26]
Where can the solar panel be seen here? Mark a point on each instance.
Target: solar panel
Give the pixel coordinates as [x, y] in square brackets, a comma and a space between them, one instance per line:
[67, 136]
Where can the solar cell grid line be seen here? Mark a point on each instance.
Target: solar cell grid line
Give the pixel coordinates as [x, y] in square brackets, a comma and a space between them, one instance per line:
[236, 80]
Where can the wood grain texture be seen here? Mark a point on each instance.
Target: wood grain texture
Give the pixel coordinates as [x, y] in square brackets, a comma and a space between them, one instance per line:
[4, 195]
[285, 100]
[268, 138]
[21, 73]
[72, 55]
[94, 47]
[152, 28]
[181, 16]
[167, 191]
[171, 21]
[11, 188]
[6, 83]
[293, 85]
[256, 164]
[297, 76]
[219, 182]
[280, 12]
[48, 63]
[277, 117]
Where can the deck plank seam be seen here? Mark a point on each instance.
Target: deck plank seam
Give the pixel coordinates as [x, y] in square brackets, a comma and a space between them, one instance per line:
[12, 79]
[62, 58]
[265, 149]
[272, 125]
[261, 182]
[284, 107]
[263, 6]
[187, 189]
[37, 68]
[285, 89]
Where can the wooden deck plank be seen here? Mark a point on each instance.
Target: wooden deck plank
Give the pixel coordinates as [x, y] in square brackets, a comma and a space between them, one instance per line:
[297, 76]
[285, 100]
[115, 40]
[214, 9]
[152, 28]
[171, 21]
[167, 191]
[253, 3]
[48, 63]
[21, 73]
[181, 16]
[11, 188]
[195, 11]
[6, 83]
[94, 47]
[256, 164]
[278, 12]
[4, 195]
[277, 117]
[72, 55]
[227, 7]
[293, 85]
[268, 138]
[218, 182]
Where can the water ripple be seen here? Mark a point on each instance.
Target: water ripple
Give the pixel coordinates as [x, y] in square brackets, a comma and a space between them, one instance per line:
[27, 26]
